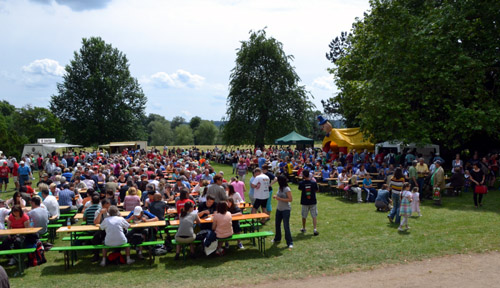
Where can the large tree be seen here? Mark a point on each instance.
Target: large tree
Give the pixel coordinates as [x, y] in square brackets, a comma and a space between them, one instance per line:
[99, 101]
[183, 135]
[421, 71]
[265, 99]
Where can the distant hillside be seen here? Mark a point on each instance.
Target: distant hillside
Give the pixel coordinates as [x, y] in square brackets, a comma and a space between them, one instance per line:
[219, 123]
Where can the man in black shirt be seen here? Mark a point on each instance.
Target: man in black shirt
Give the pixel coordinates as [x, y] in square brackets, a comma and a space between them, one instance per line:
[308, 201]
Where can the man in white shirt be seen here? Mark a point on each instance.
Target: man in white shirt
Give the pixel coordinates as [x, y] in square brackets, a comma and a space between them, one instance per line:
[261, 190]
[50, 203]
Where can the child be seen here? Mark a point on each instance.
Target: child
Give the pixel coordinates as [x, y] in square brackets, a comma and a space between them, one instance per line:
[415, 204]
[405, 208]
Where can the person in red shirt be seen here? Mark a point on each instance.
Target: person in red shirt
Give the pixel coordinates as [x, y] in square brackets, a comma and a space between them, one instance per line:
[4, 176]
[15, 175]
[183, 198]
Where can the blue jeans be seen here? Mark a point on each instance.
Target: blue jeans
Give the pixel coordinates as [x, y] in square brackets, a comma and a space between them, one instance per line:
[396, 204]
[23, 178]
[285, 216]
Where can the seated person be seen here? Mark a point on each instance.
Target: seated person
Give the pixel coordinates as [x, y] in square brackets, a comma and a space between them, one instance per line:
[16, 200]
[17, 219]
[234, 210]
[50, 203]
[38, 215]
[205, 209]
[353, 184]
[371, 192]
[222, 224]
[157, 206]
[132, 200]
[382, 202]
[89, 213]
[183, 198]
[457, 179]
[137, 216]
[185, 233]
[114, 226]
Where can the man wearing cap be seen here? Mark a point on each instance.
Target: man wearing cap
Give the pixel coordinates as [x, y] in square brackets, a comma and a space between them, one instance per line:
[4, 176]
[24, 173]
[413, 174]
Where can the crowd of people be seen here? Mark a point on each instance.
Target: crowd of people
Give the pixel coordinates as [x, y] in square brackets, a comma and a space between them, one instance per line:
[136, 179]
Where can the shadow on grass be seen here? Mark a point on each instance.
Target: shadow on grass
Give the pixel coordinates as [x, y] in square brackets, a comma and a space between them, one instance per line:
[465, 202]
[213, 260]
[85, 265]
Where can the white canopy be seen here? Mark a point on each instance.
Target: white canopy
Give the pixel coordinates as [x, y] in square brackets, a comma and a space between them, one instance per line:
[45, 149]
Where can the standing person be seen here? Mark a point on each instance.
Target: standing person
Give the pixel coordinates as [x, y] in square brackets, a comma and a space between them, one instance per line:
[242, 169]
[477, 178]
[261, 191]
[4, 176]
[308, 201]
[415, 203]
[272, 180]
[413, 174]
[239, 186]
[283, 210]
[437, 181]
[405, 210]
[422, 172]
[396, 186]
[251, 191]
[24, 172]
[114, 225]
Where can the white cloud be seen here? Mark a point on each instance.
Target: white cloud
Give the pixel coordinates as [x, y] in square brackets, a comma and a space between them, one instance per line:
[78, 5]
[45, 66]
[41, 73]
[324, 83]
[178, 79]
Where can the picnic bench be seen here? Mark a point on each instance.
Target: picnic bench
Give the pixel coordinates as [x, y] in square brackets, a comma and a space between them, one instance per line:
[18, 254]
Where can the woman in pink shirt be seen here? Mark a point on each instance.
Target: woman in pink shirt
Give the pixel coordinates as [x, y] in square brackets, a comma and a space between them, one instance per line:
[239, 187]
[132, 200]
[222, 224]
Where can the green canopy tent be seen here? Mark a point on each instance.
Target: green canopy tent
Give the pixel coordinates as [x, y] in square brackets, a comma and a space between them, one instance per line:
[294, 138]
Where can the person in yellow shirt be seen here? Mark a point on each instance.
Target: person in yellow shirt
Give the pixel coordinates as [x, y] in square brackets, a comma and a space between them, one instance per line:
[422, 172]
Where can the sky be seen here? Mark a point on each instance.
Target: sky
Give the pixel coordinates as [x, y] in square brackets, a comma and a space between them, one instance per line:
[181, 51]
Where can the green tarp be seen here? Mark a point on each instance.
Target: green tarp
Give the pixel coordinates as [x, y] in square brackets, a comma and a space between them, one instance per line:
[294, 138]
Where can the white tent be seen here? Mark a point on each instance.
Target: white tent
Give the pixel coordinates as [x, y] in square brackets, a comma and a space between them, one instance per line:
[424, 150]
[45, 149]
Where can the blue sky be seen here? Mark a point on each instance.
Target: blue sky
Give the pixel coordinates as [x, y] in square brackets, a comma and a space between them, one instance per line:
[182, 52]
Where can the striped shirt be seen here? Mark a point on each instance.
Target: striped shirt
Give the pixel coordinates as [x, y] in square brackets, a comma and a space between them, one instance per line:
[397, 185]
[89, 213]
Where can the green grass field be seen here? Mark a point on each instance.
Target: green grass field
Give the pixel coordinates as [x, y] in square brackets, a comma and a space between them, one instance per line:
[352, 237]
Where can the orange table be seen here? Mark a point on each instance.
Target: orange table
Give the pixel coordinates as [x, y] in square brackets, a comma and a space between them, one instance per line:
[235, 218]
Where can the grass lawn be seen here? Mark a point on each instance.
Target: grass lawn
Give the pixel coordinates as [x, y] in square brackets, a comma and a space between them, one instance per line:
[352, 237]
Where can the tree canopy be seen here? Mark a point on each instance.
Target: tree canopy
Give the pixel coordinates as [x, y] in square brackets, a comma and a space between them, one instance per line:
[99, 101]
[421, 71]
[265, 98]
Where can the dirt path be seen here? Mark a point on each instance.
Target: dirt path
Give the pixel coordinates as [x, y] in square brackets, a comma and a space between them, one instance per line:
[475, 270]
